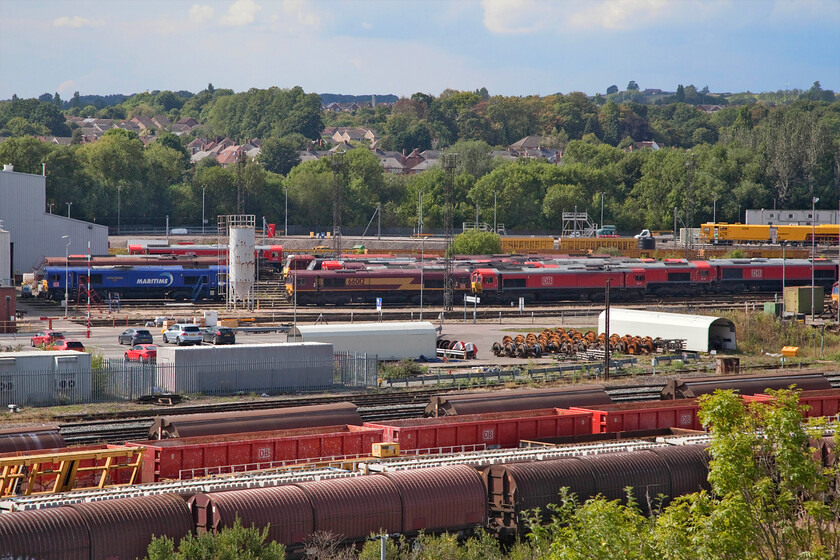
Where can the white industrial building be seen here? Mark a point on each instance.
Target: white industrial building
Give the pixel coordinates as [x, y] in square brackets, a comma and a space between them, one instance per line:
[700, 332]
[33, 232]
[38, 377]
[388, 341]
[792, 217]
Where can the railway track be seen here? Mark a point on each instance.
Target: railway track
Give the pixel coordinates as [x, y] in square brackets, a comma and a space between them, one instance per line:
[124, 426]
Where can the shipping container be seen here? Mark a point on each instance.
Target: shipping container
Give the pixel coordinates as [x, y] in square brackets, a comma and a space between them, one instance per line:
[625, 417]
[798, 299]
[497, 429]
[190, 457]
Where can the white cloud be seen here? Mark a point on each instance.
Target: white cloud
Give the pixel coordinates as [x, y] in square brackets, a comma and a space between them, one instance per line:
[67, 87]
[76, 21]
[299, 10]
[200, 14]
[366, 25]
[241, 12]
[513, 16]
[528, 16]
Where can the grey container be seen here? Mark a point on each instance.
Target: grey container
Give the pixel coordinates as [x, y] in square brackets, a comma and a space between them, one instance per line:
[122, 529]
[57, 534]
[250, 368]
[39, 377]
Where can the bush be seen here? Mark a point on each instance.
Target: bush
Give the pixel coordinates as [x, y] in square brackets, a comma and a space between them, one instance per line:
[401, 369]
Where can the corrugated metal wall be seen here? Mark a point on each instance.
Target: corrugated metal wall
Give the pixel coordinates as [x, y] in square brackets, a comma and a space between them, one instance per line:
[34, 232]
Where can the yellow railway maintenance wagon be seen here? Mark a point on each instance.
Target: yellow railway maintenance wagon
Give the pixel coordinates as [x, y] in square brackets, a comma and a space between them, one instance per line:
[527, 244]
[743, 233]
[585, 245]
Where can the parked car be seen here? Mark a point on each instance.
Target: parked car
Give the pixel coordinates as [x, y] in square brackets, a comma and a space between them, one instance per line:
[135, 336]
[180, 333]
[644, 234]
[141, 353]
[219, 335]
[607, 231]
[45, 338]
[63, 344]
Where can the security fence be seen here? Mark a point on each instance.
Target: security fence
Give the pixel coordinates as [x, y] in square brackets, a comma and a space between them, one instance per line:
[117, 380]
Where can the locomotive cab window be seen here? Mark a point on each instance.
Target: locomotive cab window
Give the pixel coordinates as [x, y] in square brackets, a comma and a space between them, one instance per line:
[640, 278]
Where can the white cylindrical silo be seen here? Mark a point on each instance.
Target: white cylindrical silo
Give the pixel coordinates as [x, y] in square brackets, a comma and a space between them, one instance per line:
[242, 263]
[5, 257]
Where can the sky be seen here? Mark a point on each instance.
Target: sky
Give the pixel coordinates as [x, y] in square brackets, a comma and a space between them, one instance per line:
[511, 47]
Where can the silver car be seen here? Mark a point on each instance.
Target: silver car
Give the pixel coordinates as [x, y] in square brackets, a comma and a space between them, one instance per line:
[181, 333]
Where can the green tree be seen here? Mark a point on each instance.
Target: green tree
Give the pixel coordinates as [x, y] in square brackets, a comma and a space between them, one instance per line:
[230, 543]
[475, 242]
[279, 155]
[770, 498]
[612, 89]
[26, 153]
[632, 86]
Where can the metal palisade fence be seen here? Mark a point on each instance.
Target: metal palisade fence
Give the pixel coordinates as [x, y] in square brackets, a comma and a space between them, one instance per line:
[116, 380]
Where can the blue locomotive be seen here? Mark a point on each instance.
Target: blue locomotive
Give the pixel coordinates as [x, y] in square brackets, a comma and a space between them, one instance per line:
[132, 282]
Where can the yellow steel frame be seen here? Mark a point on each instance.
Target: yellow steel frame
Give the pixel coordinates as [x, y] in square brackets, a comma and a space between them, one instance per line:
[26, 470]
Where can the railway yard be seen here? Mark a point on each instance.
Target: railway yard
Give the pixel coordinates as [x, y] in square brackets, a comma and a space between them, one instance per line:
[486, 427]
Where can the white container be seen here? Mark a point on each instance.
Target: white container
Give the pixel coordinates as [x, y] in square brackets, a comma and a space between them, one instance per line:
[37, 377]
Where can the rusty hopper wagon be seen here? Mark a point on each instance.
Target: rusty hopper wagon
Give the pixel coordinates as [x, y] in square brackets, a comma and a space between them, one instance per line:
[26, 439]
[689, 388]
[503, 401]
[217, 423]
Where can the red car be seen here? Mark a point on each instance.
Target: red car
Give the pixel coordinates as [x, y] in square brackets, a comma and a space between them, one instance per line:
[45, 338]
[141, 353]
[67, 345]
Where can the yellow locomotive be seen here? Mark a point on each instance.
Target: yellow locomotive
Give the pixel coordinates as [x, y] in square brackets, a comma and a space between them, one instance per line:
[723, 233]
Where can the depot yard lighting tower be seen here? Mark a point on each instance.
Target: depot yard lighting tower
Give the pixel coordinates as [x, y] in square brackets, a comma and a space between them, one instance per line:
[814, 201]
[495, 230]
[66, 272]
[337, 163]
[286, 214]
[203, 221]
[449, 163]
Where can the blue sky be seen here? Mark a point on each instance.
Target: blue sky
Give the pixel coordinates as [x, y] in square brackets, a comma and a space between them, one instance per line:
[360, 47]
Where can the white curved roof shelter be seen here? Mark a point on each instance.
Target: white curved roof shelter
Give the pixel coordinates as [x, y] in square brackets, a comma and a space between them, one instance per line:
[702, 333]
[389, 341]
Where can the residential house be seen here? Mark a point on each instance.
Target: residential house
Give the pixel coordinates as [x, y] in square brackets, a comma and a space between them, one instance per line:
[647, 145]
[710, 109]
[161, 121]
[145, 123]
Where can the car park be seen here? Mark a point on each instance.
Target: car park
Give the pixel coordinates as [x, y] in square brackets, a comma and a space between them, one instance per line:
[45, 338]
[141, 353]
[135, 336]
[63, 344]
[180, 333]
[218, 335]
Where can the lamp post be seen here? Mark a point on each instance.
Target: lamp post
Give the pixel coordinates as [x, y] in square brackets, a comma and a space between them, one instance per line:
[203, 221]
[422, 262]
[119, 193]
[66, 272]
[714, 211]
[602, 209]
[495, 230]
[286, 214]
[69, 204]
[814, 201]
